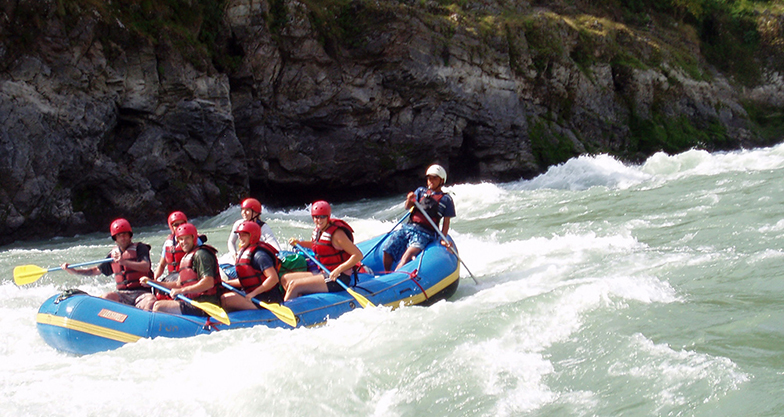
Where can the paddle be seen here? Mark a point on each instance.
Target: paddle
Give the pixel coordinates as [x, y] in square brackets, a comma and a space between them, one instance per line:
[27, 274]
[388, 233]
[209, 308]
[283, 313]
[441, 234]
[364, 302]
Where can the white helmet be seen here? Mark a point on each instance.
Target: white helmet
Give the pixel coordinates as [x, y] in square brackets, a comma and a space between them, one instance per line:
[438, 171]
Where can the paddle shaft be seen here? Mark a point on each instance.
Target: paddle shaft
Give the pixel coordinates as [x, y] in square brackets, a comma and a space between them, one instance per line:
[27, 274]
[319, 264]
[362, 300]
[160, 287]
[388, 233]
[72, 266]
[441, 234]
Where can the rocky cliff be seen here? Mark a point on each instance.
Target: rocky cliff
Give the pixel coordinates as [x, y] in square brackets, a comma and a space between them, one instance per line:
[104, 114]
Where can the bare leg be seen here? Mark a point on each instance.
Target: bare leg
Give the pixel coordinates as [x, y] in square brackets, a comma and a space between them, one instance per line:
[233, 302]
[146, 302]
[287, 279]
[302, 286]
[408, 255]
[388, 259]
[167, 306]
[112, 296]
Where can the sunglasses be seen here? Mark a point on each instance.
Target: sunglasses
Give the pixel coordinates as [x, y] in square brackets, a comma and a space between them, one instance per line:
[321, 217]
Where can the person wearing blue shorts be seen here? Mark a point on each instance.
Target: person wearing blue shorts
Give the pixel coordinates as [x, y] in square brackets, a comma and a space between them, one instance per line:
[405, 244]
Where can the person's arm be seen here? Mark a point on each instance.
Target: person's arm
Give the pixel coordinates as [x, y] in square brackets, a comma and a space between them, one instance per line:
[304, 243]
[204, 263]
[104, 268]
[162, 264]
[269, 283]
[142, 262]
[446, 213]
[85, 271]
[204, 284]
[410, 198]
[341, 242]
[232, 243]
[233, 238]
[161, 267]
[262, 261]
[445, 226]
[268, 237]
[166, 284]
[445, 231]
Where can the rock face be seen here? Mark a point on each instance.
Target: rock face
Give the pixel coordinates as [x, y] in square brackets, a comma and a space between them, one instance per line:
[93, 130]
[99, 122]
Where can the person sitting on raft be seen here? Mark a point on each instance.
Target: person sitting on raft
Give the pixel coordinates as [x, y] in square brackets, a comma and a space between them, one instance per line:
[199, 278]
[257, 271]
[130, 263]
[250, 210]
[333, 243]
[406, 243]
[171, 253]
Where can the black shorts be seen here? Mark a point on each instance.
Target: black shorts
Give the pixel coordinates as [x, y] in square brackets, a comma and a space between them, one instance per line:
[333, 286]
[272, 296]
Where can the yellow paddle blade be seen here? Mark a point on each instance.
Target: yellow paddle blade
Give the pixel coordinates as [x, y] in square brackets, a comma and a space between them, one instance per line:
[283, 313]
[214, 311]
[364, 302]
[26, 274]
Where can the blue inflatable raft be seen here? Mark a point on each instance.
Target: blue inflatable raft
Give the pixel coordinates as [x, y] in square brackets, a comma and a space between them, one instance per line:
[78, 323]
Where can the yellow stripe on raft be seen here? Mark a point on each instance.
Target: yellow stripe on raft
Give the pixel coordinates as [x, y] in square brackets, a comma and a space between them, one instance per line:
[88, 328]
[420, 298]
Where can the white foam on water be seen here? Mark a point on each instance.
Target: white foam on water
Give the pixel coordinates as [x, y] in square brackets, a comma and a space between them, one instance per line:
[554, 327]
[584, 172]
[671, 374]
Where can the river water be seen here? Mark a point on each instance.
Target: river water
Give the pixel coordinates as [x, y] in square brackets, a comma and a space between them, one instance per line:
[604, 289]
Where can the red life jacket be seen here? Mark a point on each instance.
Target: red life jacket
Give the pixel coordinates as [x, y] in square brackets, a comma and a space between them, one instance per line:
[429, 201]
[250, 278]
[188, 275]
[322, 244]
[128, 279]
[173, 254]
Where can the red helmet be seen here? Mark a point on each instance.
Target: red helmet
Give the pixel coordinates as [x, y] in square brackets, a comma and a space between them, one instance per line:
[120, 226]
[177, 216]
[253, 204]
[186, 229]
[251, 227]
[320, 208]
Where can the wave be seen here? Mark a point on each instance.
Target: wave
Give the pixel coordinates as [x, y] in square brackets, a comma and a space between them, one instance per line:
[584, 172]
